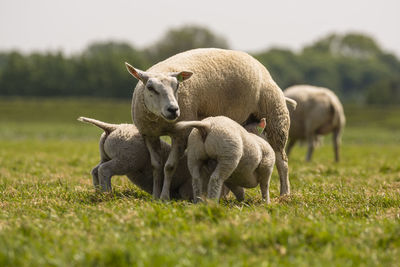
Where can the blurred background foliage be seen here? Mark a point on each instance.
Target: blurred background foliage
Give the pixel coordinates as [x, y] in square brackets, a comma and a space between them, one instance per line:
[353, 65]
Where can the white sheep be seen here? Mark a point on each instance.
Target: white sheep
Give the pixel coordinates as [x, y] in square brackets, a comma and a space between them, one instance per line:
[244, 159]
[123, 152]
[318, 112]
[225, 82]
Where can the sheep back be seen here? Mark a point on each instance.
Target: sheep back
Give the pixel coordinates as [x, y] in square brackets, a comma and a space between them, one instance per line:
[225, 82]
[318, 110]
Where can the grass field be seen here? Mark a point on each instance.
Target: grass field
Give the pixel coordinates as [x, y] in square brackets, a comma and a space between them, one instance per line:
[345, 214]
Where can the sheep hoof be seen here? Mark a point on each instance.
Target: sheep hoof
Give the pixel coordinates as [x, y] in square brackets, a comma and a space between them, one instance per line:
[266, 201]
[199, 199]
[164, 197]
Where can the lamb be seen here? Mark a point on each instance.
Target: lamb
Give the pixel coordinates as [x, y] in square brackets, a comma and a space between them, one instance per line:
[123, 152]
[243, 158]
[228, 83]
[318, 112]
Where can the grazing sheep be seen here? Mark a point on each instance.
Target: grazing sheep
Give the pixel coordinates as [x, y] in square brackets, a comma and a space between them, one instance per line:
[318, 112]
[123, 152]
[228, 83]
[243, 158]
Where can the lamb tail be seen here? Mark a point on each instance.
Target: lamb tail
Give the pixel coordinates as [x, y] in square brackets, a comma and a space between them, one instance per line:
[107, 127]
[203, 127]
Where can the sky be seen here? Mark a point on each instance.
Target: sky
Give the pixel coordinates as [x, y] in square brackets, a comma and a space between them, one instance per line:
[70, 25]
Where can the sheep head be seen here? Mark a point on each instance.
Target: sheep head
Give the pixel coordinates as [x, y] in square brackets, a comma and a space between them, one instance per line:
[161, 91]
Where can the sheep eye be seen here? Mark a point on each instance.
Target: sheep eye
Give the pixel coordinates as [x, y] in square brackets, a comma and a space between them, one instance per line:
[151, 88]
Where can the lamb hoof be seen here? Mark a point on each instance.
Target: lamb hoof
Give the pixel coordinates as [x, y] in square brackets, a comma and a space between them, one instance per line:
[240, 199]
[164, 197]
[199, 199]
[97, 189]
[266, 201]
[106, 190]
[285, 193]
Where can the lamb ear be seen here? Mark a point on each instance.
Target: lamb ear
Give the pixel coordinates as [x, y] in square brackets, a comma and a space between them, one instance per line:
[138, 74]
[182, 76]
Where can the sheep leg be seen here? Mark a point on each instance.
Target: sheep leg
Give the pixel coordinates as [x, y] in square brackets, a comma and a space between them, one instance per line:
[205, 173]
[103, 158]
[154, 146]
[218, 177]
[197, 182]
[336, 143]
[238, 191]
[290, 145]
[105, 172]
[311, 145]
[277, 134]
[215, 186]
[265, 182]
[282, 165]
[177, 151]
[95, 176]
[224, 191]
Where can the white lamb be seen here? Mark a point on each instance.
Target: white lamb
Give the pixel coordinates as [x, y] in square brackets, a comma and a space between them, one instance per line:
[318, 112]
[123, 152]
[244, 159]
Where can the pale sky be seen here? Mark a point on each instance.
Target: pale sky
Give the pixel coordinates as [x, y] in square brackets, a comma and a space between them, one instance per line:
[70, 25]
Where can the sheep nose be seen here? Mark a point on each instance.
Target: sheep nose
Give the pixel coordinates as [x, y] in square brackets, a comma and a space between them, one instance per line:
[172, 109]
[173, 112]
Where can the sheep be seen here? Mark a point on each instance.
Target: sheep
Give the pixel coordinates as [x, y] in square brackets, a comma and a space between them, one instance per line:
[243, 158]
[226, 82]
[318, 112]
[123, 152]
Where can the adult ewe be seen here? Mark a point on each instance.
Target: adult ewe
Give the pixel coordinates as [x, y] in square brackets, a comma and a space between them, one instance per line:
[318, 112]
[225, 82]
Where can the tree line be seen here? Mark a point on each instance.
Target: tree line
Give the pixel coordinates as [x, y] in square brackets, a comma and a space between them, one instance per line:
[353, 65]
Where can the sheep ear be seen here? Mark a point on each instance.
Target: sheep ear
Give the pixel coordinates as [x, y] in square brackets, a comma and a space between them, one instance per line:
[138, 74]
[182, 76]
[261, 125]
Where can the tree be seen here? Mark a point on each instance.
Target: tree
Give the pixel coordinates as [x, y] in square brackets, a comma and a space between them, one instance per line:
[349, 64]
[320, 69]
[181, 39]
[283, 66]
[102, 72]
[384, 92]
[353, 45]
[353, 65]
[15, 75]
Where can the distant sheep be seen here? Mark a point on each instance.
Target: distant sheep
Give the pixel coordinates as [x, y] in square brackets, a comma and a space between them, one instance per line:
[318, 112]
[225, 82]
[243, 159]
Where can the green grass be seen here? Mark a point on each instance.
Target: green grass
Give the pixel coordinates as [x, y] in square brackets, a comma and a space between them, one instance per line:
[345, 214]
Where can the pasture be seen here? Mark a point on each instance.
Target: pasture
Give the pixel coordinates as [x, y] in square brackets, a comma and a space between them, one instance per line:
[345, 214]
